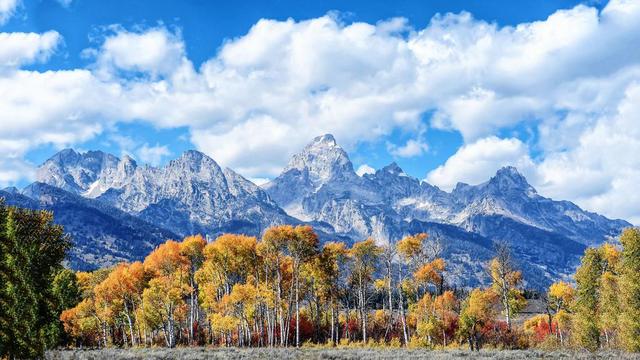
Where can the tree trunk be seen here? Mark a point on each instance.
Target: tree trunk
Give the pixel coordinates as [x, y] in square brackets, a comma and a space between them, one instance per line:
[333, 325]
[297, 310]
[363, 315]
[279, 311]
[126, 313]
[403, 317]
[444, 336]
[389, 275]
[191, 309]
[507, 307]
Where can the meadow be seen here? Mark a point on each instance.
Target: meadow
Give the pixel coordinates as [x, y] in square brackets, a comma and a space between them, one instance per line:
[319, 353]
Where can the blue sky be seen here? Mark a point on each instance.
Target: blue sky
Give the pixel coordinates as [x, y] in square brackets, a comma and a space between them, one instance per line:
[450, 90]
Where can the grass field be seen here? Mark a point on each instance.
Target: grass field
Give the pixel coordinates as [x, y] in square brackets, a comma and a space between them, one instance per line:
[285, 354]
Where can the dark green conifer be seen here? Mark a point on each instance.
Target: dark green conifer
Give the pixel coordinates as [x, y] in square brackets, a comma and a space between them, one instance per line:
[32, 249]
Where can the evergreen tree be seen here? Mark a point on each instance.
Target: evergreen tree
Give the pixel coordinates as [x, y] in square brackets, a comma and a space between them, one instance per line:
[630, 290]
[587, 296]
[31, 253]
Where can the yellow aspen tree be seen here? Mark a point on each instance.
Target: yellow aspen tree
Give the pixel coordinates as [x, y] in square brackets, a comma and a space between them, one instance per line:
[560, 297]
[609, 306]
[411, 251]
[587, 332]
[302, 248]
[445, 306]
[506, 282]
[630, 290]
[168, 287]
[477, 310]
[365, 255]
[192, 249]
[328, 272]
[273, 248]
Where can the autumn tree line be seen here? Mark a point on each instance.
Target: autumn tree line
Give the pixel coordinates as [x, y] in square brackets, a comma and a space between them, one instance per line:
[287, 290]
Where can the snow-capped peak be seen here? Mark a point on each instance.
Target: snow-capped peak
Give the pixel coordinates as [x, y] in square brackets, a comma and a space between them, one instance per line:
[394, 169]
[326, 139]
[508, 178]
[323, 159]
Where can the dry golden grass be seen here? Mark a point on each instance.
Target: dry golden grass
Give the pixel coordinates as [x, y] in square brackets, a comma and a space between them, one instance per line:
[318, 353]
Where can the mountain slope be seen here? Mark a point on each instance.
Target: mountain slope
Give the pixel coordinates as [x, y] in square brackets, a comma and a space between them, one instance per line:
[508, 194]
[191, 194]
[102, 235]
[547, 236]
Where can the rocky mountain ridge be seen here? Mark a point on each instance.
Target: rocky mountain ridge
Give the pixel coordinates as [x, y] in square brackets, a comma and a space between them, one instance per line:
[547, 236]
[193, 194]
[392, 194]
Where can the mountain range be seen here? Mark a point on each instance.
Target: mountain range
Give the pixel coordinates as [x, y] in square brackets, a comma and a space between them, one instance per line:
[118, 210]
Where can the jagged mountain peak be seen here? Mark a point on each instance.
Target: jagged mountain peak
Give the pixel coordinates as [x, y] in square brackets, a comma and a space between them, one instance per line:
[193, 154]
[510, 172]
[128, 159]
[323, 160]
[193, 162]
[192, 194]
[392, 168]
[71, 157]
[127, 165]
[326, 139]
[506, 179]
[64, 154]
[194, 157]
[11, 190]
[509, 178]
[74, 171]
[461, 186]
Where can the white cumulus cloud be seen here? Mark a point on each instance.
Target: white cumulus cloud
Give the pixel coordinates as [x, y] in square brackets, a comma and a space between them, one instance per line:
[571, 79]
[365, 169]
[7, 9]
[411, 148]
[18, 48]
[152, 154]
[476, 162]
[155, 51]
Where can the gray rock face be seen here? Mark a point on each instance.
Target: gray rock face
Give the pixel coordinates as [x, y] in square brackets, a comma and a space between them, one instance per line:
[547, 236]
[509, 195]
[319, 186]
[76, 172]
[327, 189]
[191, 194]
